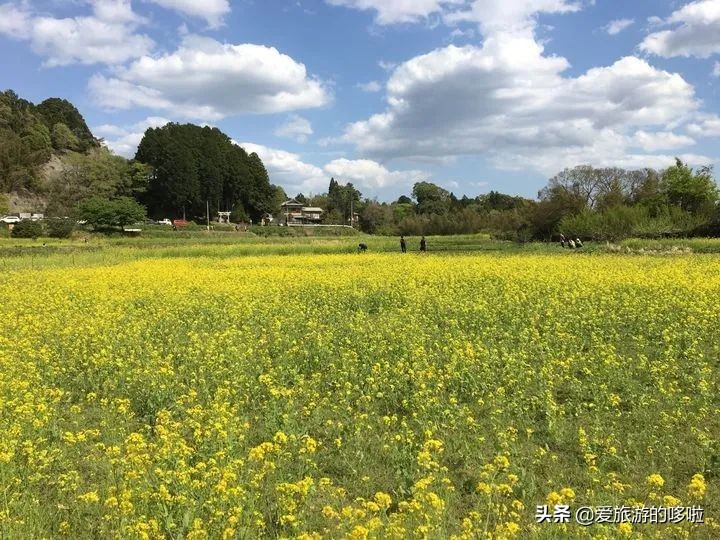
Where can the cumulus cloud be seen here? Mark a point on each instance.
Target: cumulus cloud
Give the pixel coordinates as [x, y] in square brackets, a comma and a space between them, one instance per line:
[288, 169]
[716, 70]
[509, 17]
[210, 80]
[488, 13]
[509, 101]
[707, 126]
[660, 140]
[14, 21]
[296, 127]
[212, 11]
[124, 140]
[615, 27]
[296, 176]
[107, 36]
[370, 174]
[695, 31]
[398, 11]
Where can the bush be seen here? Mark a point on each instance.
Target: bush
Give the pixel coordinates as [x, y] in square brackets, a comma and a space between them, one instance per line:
[60, 228]
[106, 214]
[27, 229]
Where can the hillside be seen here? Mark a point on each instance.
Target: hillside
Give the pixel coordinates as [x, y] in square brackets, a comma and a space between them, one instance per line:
[31, 134]
[50, 161]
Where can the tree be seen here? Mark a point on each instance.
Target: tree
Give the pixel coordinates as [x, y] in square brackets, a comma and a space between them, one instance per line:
[60, 228]
[63, 138]
[193, 165]
[376, 217]
[98, 173]
[103, 213]
[27, 229]
[694, 193]
[431, 199]
[341, 199]
[60, 111]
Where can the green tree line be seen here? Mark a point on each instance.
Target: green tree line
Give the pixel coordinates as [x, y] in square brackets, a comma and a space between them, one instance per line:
[592, 203]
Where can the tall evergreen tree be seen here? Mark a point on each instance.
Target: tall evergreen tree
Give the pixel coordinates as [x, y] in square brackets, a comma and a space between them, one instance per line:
[195, 166]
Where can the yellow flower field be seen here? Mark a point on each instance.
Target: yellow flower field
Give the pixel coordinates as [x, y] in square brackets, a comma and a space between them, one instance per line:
[348, 396]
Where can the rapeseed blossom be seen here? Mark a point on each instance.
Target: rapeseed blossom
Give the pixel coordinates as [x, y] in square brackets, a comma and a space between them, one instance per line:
[332, 396]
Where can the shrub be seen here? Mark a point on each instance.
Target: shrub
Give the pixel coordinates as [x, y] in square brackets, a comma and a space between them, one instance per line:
[60, 228]
[105, 214]
[27, 229]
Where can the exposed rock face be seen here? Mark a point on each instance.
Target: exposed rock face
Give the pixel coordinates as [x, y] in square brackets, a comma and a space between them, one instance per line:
[25, 201]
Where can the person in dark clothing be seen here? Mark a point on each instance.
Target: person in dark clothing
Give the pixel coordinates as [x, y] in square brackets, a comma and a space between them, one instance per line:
[362, 248]
[403, 245]
[423, 245]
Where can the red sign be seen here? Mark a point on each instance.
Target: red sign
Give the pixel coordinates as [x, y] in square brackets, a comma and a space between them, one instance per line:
[179, 222]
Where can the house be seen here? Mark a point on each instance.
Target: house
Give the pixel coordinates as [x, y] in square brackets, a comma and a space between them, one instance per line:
[312, 214]
[294, 213]
[291, 211]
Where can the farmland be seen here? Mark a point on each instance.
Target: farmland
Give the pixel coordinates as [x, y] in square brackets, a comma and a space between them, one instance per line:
[296, 389]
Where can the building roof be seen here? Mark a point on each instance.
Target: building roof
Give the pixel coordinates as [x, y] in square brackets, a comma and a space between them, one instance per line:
[291, 202]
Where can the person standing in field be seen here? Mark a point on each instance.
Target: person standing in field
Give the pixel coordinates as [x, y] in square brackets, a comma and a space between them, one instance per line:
[423, 245]
[403, 245]
[562, 240]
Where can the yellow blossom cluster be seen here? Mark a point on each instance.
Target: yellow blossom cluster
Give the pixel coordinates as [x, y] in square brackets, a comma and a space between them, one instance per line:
[345, 396]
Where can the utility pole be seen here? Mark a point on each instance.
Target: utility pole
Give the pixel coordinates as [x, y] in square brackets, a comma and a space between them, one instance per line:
[207, 203]
[352, 220]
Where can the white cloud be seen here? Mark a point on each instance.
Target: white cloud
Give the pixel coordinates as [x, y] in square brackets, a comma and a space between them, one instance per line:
[370, 87]
[505, 14]
[387, 66]
[695, 32]
[212, 11]
[115, 11]
[296, 176]
[14, 22]
[618, 25]
[510, 102]
[296, 127]
[397, 11]
[108, 36]
[660, 140]
[209, 80]
[509, 16]
[707, 126]
[370, 174]
[716, 70]
[289, 171]
[468, 33]
[124, 140]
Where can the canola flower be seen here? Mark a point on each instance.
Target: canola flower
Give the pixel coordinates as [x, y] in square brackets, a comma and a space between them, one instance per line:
[333, 396]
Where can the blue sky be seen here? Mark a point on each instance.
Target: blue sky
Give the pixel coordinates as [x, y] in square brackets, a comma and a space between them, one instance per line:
[475, 95]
